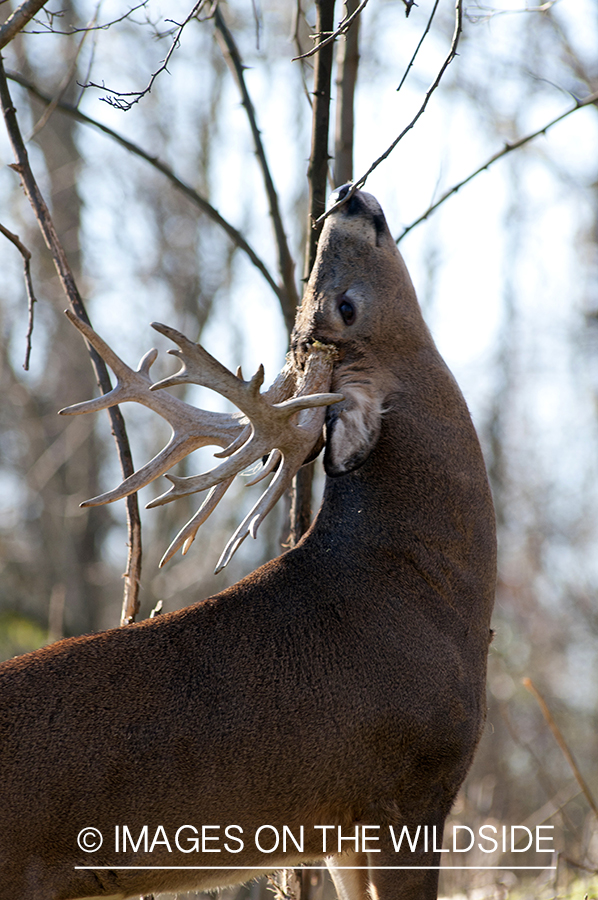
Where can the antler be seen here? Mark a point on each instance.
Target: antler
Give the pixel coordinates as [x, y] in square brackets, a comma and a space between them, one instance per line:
[275, 425]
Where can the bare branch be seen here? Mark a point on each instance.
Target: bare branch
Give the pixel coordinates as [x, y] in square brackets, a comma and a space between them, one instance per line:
[17, 21]
[118, 99]
[46, 225]
[421, 40]
[317, 171]
[451, 55]
[180, 185]
[31, 299]
[508, 148]
[317, 174]
[285, 261]
[104, 26]
[528, 683]
[297, 18]
[342, 28]
[347, 62]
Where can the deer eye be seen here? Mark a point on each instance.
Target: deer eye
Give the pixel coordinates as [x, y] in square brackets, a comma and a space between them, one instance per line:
[346, 309]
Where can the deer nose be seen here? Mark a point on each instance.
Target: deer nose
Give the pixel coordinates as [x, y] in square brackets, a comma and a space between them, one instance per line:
[339, 193]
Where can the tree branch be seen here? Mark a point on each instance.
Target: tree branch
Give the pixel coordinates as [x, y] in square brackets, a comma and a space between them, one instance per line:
[528, 683]
[103, 26]
[23, 14]
[451, 55]
[290, 299]
[317, 174]
[206, 207]
[31, 299]
[317, 171]
[298, 17]
[347, 63]
[342, 28]
[421, 40]
[508, 148]
[118, 99]
[42, 214]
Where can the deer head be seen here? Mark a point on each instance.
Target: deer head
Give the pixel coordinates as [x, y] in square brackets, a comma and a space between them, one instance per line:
[354, 318]
[361, 300]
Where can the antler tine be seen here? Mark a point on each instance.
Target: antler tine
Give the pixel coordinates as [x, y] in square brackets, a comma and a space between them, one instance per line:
[279, 484]
[178, 447]
[317, 371]
[200, 367]
[187, 534]
[299, 441]
[281, 389]
[129, 380]
[136, 385]
[271, 428]
[191, 428]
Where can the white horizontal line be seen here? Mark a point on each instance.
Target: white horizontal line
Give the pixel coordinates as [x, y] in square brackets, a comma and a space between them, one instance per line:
[234, 868]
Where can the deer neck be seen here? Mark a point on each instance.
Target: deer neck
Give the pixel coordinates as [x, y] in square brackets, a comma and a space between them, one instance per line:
[420, 505]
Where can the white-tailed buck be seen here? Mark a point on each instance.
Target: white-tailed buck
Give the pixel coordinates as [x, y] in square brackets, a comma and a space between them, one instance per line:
[341, 685]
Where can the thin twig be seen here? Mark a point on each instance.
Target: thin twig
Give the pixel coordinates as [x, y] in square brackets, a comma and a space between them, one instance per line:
[18, 20]
[451, 55]
[543, 776]
[48, 230]
[528, 683]
[31, 298]
[118, 99]
[299, 14]
[290, 300]
[258, 23]
[186, 189]
[104, 26]
[344, 26]
[508, 148]
[421, 40]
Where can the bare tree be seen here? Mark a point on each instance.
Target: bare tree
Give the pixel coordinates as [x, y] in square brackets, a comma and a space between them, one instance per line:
[195, 207]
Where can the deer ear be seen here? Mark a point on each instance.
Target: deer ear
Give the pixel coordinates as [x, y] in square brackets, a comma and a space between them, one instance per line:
[352, 429]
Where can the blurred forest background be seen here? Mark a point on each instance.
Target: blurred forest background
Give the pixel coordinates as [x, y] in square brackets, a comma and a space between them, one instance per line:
[506, 270]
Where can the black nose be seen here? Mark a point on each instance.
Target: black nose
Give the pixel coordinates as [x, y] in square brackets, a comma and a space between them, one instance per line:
[339, 193]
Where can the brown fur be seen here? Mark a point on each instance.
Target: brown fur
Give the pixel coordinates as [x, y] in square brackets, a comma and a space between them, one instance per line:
[342, 683]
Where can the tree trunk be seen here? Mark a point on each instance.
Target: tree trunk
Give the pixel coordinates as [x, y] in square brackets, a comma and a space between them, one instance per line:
[317, 174]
